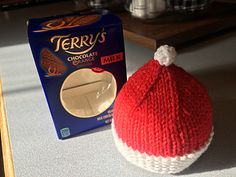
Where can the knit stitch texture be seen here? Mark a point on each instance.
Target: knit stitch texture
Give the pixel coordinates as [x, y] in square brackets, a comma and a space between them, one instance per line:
[163, 111]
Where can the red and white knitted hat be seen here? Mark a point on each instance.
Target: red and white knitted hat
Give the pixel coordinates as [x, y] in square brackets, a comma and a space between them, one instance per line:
[162, 118]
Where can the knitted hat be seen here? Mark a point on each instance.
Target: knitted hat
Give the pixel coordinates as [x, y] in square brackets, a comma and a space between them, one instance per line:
[162, 119]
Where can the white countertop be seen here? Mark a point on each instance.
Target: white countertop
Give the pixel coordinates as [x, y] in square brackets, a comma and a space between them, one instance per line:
[36, 150]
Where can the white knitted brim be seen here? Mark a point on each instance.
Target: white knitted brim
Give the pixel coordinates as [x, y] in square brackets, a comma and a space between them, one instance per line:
[163, 165]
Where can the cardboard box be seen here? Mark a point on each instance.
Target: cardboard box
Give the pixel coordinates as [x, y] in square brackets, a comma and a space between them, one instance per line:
[81, 64]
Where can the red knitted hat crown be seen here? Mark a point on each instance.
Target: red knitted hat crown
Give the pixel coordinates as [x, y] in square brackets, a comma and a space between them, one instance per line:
[162, 118]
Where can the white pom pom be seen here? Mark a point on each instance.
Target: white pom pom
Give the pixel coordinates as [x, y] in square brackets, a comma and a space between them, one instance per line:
[165, 55]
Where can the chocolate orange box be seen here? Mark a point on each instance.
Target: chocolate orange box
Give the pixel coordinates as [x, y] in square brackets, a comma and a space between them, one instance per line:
[80, 60]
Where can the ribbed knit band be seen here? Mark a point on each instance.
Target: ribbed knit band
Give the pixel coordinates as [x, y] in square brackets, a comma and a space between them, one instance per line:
[159, 164]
